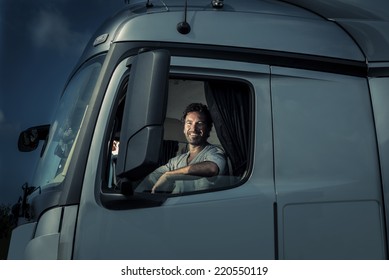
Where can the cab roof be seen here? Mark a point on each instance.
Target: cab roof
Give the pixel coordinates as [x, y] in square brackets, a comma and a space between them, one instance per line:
[346, 29]
[367, 21]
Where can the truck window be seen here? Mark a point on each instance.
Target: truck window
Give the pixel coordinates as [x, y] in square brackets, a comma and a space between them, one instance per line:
[228, 104]
[68, 119]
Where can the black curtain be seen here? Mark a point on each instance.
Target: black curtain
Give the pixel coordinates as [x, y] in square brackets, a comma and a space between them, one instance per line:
[228, 103]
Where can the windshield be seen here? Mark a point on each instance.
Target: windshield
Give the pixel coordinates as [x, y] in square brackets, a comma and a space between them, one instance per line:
[64, 130]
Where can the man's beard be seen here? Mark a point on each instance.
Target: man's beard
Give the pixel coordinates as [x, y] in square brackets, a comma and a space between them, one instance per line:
[196, 140]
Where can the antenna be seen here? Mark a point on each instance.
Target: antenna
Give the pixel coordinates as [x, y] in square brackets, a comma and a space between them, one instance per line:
[184, 27]
[217, 4]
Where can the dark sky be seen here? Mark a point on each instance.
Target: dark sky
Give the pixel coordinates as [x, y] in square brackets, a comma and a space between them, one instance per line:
[40, 43]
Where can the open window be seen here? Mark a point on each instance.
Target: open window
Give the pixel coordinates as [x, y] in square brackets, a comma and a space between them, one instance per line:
[162, 138]
[229, 105]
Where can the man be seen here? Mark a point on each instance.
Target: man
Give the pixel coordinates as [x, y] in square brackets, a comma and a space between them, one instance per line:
[193, 170]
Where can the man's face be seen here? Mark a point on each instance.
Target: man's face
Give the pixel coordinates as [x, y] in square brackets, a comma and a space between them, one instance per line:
[196, 129]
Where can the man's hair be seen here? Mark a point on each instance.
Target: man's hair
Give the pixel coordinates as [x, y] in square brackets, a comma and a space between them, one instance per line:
[200, 108]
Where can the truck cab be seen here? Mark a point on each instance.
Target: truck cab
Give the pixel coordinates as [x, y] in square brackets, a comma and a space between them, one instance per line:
[299, 107]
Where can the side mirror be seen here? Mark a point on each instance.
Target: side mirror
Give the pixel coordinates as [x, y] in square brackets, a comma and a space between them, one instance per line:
[144, 114]
[29, 138]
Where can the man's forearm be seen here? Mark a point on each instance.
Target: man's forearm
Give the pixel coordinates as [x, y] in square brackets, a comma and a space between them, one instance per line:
[202, 169]
[190, 172]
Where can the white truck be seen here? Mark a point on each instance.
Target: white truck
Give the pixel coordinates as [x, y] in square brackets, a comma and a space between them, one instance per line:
[298, 92]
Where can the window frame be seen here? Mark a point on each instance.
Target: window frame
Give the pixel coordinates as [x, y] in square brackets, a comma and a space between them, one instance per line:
[192, 71]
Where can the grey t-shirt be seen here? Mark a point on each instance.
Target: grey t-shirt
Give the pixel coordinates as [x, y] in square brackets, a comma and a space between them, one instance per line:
[209, 153]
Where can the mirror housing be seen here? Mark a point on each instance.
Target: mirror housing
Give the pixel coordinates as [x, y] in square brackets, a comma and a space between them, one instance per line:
[29, 139]
[144, 114]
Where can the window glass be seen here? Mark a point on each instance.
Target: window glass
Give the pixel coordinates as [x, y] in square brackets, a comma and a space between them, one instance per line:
[72, 108]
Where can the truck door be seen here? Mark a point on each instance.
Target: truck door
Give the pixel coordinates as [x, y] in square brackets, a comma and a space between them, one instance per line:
[232, 217]
[326, 167]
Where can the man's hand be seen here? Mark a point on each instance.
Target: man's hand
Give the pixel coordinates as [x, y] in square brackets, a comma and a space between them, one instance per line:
[163, 182]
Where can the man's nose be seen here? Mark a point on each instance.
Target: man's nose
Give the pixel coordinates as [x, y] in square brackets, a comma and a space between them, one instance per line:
[192, 126]
[196, 126]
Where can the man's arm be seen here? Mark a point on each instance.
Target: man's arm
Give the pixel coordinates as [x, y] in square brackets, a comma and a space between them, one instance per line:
[190, 172]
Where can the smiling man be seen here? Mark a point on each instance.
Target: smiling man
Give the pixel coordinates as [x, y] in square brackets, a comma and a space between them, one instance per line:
[190, 171]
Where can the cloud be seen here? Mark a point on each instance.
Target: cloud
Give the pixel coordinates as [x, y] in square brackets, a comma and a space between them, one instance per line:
[51, 29]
